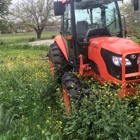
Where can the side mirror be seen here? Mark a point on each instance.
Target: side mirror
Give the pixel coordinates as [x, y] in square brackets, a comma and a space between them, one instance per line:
[136, 4]
[128, 32]
[58, 8]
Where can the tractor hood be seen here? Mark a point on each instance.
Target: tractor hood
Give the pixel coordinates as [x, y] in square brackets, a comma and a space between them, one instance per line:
[115, 44]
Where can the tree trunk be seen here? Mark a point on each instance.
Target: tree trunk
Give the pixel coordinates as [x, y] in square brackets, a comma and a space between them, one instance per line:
[39, 35]
[38, 32]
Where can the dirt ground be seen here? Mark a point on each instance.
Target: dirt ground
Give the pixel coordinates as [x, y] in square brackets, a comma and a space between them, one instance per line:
[42, 42]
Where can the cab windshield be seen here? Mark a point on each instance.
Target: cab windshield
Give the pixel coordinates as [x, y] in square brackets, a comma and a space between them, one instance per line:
[95, 15]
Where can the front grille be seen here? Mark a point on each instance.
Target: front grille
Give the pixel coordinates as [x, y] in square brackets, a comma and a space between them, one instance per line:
[116, 71]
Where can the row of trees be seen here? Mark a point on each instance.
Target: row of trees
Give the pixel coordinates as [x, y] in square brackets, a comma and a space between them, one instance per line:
[37, 14]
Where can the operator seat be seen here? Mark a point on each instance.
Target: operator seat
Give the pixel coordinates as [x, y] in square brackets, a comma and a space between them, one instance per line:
[81, 29]
[100, 32]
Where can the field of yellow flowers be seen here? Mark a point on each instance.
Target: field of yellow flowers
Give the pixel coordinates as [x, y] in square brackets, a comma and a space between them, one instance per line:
[32, 108]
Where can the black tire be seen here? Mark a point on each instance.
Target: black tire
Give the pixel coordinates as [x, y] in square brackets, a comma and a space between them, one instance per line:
[71, 89]
[58, 62]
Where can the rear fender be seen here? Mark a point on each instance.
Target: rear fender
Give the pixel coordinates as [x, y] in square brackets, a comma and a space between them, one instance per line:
[62, 45]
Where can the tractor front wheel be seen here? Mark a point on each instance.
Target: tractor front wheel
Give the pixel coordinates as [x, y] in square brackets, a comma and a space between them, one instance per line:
[71, 89]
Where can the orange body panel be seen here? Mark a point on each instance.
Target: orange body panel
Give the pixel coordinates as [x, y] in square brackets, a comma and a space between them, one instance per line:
[113, 44]
[86, 71]
[62, 45]
[119, 46]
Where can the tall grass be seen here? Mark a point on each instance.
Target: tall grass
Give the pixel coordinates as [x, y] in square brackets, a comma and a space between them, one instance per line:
[28, 107]
[11, 53]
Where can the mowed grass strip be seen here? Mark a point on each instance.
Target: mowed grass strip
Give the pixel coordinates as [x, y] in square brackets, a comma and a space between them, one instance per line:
[25, 37]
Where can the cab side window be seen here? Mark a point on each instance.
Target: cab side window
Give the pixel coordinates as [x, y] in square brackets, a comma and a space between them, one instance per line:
[66, 19]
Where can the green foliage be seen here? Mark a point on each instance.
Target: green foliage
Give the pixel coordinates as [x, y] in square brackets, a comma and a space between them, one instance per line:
[31, 39]
[135, 40]
[104, 116]
[24, 52]
[132, 19]
[6, 26]
[26, 95]
[2, 42]
[53, 36]
[24, 90]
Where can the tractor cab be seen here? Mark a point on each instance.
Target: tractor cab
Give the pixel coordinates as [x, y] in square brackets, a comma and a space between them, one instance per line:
[96, 19]
[85, 19]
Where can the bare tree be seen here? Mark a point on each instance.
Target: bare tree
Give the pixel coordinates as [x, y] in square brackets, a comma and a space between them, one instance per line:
[35, 14]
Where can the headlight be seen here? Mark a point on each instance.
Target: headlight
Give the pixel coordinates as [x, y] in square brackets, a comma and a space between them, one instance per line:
[118, 61]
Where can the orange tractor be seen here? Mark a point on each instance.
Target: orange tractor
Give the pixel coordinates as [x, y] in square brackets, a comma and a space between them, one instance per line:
[92, 42]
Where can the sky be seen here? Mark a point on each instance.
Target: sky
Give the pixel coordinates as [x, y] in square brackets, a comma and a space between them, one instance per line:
[14, 1]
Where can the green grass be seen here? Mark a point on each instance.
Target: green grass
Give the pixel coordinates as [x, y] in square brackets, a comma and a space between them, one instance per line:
[25, 37]
[23, 52]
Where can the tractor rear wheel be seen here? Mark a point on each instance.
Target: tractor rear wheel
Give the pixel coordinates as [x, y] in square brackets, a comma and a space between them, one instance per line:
[71, 88]
[58, 62]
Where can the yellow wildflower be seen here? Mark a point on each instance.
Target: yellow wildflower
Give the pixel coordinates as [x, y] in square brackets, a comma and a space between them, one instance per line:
[43, 131]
